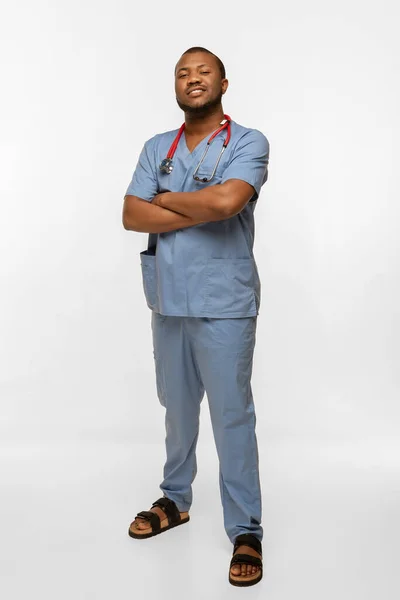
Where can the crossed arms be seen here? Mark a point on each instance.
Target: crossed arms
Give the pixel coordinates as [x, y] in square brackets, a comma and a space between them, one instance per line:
[176, 210]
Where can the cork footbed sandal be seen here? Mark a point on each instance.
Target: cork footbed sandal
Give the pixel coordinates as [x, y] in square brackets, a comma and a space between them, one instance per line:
[239, 559]
[173, 519]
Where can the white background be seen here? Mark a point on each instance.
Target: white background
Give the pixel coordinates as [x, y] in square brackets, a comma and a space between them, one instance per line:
[84, 84]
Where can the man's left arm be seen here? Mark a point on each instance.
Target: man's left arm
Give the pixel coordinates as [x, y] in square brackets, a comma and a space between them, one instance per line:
[241, 181]
[214, 203]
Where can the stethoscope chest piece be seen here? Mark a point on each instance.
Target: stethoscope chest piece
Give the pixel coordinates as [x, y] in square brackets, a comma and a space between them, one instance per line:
[166, 165]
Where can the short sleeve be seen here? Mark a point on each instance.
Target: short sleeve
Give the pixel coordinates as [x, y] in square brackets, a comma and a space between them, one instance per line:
[144, 182]
[249, 161]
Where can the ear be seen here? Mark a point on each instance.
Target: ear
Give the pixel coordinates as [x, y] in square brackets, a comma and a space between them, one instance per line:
[224, 85]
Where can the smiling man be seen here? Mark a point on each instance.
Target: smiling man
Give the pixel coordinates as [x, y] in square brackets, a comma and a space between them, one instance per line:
[194, 190]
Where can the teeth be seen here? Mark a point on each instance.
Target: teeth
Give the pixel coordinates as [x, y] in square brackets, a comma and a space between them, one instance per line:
[192, 92]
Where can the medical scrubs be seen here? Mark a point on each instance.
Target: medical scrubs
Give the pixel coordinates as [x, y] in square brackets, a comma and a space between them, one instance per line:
[203, 288]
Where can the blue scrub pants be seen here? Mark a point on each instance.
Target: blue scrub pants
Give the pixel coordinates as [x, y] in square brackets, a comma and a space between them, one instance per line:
[197, 354]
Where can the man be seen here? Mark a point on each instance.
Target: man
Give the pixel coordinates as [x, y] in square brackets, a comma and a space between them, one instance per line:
[201, 283]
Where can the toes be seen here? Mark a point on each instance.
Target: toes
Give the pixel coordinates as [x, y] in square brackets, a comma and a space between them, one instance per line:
[235, 570]
[142, 524]
[244, 570]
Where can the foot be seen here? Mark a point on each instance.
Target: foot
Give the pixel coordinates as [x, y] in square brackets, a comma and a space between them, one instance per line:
[140, 524]
[245, 570]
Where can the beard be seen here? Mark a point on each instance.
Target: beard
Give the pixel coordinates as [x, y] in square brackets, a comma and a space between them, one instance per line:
[203, 109]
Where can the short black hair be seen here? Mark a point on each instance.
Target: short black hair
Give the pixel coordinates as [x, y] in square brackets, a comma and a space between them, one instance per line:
[200, 49]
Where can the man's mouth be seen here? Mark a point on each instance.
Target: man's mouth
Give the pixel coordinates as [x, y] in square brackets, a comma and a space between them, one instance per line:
[197, 91]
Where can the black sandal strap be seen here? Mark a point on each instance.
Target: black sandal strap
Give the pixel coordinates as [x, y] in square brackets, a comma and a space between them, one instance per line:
[170, 509]
[246, 559]
[248, 539]
[153, 517]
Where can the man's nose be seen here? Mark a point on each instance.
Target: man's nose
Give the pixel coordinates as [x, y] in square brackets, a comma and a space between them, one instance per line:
[194, 78]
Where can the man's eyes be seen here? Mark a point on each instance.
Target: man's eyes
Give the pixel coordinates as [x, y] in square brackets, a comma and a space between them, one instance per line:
[201, 72]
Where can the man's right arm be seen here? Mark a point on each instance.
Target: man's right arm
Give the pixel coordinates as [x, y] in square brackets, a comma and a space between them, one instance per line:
[142, 215]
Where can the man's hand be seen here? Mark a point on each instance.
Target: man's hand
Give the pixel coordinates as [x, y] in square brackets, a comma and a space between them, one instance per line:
[157, 199]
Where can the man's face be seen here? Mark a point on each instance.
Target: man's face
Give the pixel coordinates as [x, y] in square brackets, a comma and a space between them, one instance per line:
[198, 82]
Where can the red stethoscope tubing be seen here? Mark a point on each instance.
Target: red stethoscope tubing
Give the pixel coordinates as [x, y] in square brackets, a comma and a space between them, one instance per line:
[226, 125]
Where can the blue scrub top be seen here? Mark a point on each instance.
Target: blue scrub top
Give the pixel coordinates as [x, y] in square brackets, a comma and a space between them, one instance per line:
[207, 270]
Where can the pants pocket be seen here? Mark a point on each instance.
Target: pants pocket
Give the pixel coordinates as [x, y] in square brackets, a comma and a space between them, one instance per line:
[157, 326]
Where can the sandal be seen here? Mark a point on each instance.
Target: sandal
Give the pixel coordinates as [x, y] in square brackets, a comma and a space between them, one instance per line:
[239, 559]
[173, 518]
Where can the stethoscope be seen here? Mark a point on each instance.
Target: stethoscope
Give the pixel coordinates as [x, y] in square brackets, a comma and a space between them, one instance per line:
[167, 166]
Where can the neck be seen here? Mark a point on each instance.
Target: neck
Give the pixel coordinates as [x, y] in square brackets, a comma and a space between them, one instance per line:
[203, 123]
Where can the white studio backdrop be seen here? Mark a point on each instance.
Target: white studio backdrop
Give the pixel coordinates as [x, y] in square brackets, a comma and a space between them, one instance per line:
[84, 84]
